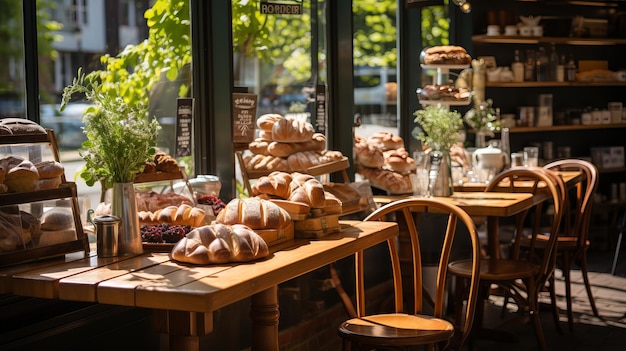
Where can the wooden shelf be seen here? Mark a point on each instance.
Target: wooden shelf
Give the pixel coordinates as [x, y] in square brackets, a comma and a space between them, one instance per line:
[561, 128]
[502, 39]
[553, 84]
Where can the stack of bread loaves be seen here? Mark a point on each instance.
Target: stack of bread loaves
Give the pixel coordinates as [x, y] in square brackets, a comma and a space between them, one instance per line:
[287, 144]
[297, 188]
[383, 160]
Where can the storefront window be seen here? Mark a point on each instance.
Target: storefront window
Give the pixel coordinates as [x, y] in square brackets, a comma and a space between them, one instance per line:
[12, 78]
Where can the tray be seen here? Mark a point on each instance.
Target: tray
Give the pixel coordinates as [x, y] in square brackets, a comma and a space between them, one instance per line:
[324, 168]
[160, 176]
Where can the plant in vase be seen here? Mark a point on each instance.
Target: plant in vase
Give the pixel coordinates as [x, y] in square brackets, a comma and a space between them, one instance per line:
[440, 129]
[483, 118]
[120, 139]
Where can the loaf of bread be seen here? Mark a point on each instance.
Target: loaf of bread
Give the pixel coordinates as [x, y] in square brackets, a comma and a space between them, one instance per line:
[255, 213]
[21, 177]
[21, 126]
[385, 141]
[49, 169]
[292, 130]
[344, 192]
[392, 182]
[302, 161]
[366, 154]
[333, 204]
[306, 189]
[446, 55]
[219, 243]
[153, 201]
[176, 215]
[316, 143]
[259, 147]
[399, 161]
[266, 122]
[331, 156]
[57, 218]
[275, 184]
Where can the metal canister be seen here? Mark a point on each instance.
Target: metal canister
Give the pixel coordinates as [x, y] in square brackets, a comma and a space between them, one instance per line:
[107, 235]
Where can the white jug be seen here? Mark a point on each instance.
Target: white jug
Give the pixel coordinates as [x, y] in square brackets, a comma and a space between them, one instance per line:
[490, 158]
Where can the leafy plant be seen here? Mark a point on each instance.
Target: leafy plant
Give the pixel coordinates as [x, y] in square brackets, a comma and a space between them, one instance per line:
[483, 117]
[440, 127]
[120, 137]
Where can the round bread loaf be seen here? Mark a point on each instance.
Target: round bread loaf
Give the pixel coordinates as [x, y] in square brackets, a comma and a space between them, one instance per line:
[48, 183]
[266, 122]
[57, 219]
[49, 169]
[219, 243]
[22, 177]
[292, 130]
[21, 126]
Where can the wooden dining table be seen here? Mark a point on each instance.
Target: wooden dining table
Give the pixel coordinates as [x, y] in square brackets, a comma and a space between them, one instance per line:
[183, 297]
[493, 205]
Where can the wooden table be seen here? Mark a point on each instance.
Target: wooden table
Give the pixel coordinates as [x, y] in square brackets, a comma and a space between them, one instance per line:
[182, 296]
[569, 177]
[489, 204]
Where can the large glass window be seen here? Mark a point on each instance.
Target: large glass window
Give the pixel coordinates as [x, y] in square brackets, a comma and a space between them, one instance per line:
[12, 79]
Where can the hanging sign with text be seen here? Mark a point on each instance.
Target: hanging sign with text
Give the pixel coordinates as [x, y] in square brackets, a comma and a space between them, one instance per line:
[281, 7]
[244, 117]
[184, 113]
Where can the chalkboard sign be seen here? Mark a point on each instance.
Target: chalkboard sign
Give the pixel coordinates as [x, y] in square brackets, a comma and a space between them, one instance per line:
[184, 113]
[244, 117]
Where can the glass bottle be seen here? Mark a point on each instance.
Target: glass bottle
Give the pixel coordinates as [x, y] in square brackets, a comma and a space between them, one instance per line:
[542, 65]
[554, 63]
[560, 70]
[517, 67]
[529, 66]
[570, 69]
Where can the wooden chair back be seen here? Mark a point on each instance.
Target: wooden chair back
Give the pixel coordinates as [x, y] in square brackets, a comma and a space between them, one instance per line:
[546, 187]
[409, 211]
[579, 204]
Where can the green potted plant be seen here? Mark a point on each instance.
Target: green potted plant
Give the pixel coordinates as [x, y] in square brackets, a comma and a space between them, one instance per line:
[440, 129]
[120, 139]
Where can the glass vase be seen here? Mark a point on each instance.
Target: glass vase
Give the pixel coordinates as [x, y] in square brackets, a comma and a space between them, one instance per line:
[440, 176]
[124, 206]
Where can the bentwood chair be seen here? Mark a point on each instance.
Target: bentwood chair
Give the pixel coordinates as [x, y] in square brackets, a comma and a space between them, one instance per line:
[573, 242]
[523, 273]
[401, 329]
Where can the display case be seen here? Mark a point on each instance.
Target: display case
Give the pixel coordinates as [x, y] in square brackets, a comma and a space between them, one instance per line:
[38, 221]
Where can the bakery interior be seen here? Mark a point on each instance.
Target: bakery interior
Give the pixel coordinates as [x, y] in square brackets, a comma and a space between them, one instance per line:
[334, 102]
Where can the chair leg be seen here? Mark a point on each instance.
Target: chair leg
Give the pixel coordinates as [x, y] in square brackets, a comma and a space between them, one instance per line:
[616, 255]
[583, 268]
[566, 267]
[555, 308]
[533, 302]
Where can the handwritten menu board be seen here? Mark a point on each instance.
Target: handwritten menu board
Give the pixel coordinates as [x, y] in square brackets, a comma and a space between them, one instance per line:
[244, 117]
[184, 113]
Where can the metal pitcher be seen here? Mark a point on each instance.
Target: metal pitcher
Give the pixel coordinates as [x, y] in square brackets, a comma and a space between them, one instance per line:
[107, 229]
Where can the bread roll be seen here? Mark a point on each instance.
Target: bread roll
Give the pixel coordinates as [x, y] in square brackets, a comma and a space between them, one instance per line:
[57, 219]
[292, 130]
[255, 213]
[22, 177]
[175, 215]
[53, 237]
[385, 141]
[21, 126]
[49, 169]
[219, 243]
[275, 183]
[48, 183]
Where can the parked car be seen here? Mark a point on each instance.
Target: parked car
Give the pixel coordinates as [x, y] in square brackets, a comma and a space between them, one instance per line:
[67, 125]
[375, 93]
